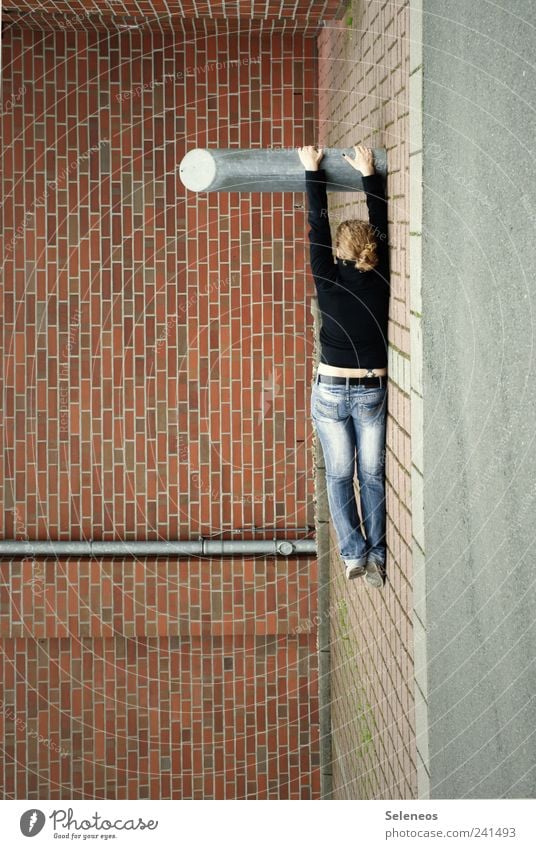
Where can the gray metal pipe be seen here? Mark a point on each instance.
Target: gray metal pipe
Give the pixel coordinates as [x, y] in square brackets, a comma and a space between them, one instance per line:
[271, 170]
[124, 548]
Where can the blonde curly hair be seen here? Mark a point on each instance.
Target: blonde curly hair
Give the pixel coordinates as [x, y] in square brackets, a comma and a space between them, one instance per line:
[354, 241]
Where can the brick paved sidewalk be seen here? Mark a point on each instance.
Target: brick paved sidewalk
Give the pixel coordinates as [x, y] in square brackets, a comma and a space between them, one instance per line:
[363, 97]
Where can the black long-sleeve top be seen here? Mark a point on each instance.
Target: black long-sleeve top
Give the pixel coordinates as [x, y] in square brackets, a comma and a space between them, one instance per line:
[354, 304]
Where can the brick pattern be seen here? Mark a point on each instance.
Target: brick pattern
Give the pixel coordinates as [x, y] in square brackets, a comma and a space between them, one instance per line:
[363, 85]
[162, 718]
[244, 9]
[156, 342]
[159, 16]
[156, 349]
[151, 598]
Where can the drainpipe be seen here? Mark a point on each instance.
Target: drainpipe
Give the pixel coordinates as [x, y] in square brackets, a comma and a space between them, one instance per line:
[125, 548]
[271, 170]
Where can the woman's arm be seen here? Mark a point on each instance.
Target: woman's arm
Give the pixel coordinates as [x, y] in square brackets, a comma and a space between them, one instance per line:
[321, 254]
[373, 188]
[377, 205]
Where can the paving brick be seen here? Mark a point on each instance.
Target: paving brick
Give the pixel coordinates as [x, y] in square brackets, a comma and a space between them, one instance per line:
[373, 741]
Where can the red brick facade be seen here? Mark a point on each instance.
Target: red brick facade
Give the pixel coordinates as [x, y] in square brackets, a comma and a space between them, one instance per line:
[156, 356]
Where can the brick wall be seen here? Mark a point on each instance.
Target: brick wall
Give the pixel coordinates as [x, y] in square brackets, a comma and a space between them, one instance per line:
[156, 349]
[363, 97]
[176, 18]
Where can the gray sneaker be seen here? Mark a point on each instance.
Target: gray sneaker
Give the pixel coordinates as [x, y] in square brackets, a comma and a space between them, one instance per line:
[374, 574]
[353, 571]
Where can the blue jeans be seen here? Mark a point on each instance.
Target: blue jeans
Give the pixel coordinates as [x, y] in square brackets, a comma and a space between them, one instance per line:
[351, 419]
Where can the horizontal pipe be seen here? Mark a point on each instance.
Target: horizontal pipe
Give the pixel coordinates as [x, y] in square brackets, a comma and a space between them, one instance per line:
[125, 548]
[270, 170]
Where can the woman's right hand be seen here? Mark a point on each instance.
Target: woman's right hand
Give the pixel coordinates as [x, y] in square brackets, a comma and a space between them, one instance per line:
[364, 160]
[310, 156]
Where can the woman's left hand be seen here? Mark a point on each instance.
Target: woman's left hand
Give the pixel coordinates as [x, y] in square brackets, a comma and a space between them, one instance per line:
[364, 159]
[310, 156]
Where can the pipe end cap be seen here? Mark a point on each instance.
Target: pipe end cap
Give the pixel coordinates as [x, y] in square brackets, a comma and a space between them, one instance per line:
[197, 170]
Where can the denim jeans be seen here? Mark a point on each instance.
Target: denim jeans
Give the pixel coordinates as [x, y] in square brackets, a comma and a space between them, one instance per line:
[350, 422]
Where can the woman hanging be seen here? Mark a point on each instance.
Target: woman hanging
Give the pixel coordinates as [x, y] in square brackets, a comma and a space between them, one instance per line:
[349, 395]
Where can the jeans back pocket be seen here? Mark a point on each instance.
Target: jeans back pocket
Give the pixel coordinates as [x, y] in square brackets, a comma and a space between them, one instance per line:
[373, 403]
[325, 408]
